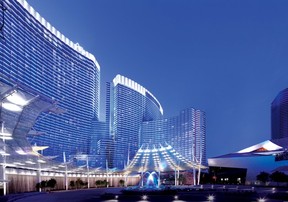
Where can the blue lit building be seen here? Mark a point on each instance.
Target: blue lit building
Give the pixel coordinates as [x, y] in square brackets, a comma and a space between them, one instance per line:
[128, 104]
[135, 118]
[34, 53]
[279, 115]
[186, 133]
[268, 156]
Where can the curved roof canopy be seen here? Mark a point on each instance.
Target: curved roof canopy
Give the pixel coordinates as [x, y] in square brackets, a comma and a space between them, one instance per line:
[20, 107]
[160, 158]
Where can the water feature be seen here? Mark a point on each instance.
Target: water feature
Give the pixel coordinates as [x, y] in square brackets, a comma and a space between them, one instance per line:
[152, 180]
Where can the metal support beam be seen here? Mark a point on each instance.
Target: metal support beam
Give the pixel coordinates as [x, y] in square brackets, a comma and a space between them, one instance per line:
[87, 164]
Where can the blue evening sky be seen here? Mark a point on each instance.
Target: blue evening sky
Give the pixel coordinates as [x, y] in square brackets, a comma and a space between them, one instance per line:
[227, 58]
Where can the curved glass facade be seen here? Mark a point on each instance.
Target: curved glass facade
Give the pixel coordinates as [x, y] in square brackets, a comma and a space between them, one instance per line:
[34, 53]
[129, 105]
[279, 115]
[186, 133]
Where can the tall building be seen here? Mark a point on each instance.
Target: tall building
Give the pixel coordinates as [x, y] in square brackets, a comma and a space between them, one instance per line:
[186, 133]
[279, 115]
[99, 150]
[128, 104]
[34, 53]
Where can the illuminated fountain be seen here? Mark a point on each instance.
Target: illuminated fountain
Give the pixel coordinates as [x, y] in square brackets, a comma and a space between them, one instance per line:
[152, 181]
[152, 160]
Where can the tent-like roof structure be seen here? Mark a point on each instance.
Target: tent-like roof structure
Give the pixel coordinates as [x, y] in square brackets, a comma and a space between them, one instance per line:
[20, 107]
[160, 158]
[266, 148]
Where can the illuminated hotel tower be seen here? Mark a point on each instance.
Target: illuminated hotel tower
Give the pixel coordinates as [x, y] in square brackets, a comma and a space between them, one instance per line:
[128, 105]
[279, 115]
[186, 133]
[34, 53]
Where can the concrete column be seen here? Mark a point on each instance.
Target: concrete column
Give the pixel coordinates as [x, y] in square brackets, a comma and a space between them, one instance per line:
[126, 182]
[178, 175]
[66, 179]
[3, 176]
[88, 177]
[142, 180]
[39, 175]
[159, 178]
[175, 176]
[3, 167]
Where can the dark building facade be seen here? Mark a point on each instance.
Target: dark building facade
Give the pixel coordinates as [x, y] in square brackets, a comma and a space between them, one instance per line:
[279, 115]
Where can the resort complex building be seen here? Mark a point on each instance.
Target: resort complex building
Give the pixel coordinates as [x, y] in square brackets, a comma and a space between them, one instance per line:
[186, 133]
[244, 166]
[135, 119]
[130, 104]
[279, 115]
[34, 53]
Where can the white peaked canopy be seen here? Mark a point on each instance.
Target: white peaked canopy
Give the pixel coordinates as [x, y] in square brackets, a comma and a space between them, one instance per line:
[264, 148]
[160, 158]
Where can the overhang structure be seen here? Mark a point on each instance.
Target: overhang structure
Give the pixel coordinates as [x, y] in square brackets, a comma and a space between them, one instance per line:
[160, 158]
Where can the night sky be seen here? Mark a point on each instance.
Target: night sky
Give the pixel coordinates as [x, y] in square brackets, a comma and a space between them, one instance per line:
[227, 58]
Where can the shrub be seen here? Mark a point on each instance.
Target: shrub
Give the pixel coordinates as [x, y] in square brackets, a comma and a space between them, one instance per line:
[51, 183]
[121, 183]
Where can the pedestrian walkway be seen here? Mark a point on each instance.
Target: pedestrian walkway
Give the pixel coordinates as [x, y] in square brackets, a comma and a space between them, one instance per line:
[61, 196]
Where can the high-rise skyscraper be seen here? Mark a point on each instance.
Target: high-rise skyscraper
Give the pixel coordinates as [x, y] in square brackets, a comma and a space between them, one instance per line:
[34, 53]
[128, 105]
[186, 133]
[279, 115]
[135, 118]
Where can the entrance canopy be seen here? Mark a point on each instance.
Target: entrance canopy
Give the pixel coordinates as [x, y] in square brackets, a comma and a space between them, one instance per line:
[20, 107]
[160, 158]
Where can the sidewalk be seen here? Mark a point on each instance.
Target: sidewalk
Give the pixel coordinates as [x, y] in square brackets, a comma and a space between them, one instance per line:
[63, 195]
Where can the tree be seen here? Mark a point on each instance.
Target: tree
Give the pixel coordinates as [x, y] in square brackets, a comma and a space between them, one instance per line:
[38, 186]
[121, 183]
[263, 177]
[72, 183]
[182, 179]
[79, 183]
[51, 183]
[105, 183]
[98, 183]
[278, 177]
[43, 184]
